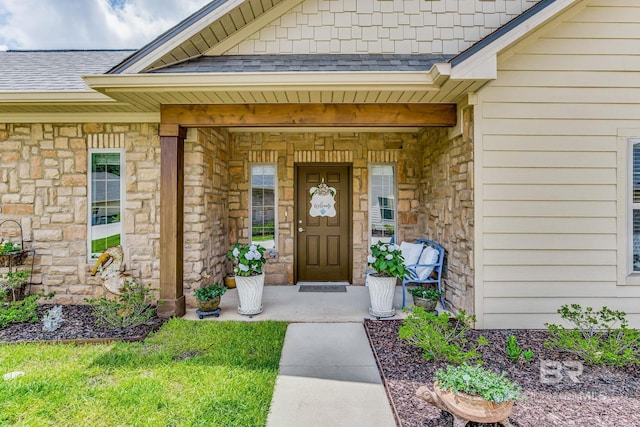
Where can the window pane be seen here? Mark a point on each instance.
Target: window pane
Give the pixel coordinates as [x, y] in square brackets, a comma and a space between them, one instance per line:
[636, 173]
[263, 205]
[106, 203]
[382, 209]
[636, 240]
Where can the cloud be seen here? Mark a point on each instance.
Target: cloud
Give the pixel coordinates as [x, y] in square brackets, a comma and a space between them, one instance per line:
[88, 24]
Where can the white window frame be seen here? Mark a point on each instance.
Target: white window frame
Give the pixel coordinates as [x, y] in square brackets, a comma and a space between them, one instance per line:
[275, 203]
[123, 175]
[395, 199]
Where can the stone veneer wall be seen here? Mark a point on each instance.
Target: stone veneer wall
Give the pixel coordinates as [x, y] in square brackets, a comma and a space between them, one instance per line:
[447, 212]
[289, 149]
[43, 185]
[206, 209]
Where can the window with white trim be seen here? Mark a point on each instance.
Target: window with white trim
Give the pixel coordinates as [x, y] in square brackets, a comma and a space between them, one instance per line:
[106, 200]
[264, 206]
[634, 204]
[382, 202]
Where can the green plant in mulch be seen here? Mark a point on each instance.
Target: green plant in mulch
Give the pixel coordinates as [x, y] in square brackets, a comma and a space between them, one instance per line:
[476, 380]
[598, 337]
[129, 309]
[440, 337]
[24, 311]
[515, 353]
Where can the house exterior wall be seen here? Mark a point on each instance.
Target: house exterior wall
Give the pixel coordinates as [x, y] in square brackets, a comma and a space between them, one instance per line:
[551, 166]
[447, 208]
[43, 185]
[382, 26]
[357, 149]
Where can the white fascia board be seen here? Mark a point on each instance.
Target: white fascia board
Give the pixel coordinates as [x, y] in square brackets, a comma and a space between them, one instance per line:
[483, 64]
[54, 97]
[183, 36]
[406, 80]
[98, 117]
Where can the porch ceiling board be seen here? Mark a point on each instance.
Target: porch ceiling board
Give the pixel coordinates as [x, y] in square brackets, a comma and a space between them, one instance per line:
[305, 115]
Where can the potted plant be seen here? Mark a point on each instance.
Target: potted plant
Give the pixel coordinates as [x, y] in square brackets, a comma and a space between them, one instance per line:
[12, 284]
[12, 254]
[425, 298]
[248, 261]
[388, 265]
[472, 393]
[208, 297]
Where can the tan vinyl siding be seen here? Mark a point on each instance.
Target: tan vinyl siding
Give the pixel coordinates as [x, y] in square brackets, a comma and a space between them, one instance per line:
[552, 169]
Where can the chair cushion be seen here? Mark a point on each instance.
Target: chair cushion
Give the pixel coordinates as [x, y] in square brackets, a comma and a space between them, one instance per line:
[410, 252]
[429, 256]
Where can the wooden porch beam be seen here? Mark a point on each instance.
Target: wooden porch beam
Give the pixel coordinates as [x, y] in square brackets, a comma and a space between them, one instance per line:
[303, 115]
[172, 302]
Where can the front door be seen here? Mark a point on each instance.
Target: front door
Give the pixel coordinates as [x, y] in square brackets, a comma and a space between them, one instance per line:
[323, 218]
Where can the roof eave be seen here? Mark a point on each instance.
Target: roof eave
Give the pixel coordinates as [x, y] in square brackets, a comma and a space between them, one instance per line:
[58, 97]
[272, 81]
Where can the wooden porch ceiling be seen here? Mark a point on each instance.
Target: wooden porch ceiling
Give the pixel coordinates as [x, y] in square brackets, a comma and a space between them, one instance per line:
[306, 115]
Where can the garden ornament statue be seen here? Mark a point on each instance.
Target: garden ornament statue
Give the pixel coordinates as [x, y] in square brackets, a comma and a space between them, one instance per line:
[465, 408]
[109, 265]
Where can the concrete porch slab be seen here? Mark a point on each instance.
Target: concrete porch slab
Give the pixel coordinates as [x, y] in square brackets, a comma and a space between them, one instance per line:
[287, 304]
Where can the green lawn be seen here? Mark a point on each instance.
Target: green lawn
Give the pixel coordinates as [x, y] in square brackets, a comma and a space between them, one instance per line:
[188, 374]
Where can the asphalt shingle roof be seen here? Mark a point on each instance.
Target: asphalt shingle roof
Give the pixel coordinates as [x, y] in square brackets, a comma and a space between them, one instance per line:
[54, 70]
[309, 62]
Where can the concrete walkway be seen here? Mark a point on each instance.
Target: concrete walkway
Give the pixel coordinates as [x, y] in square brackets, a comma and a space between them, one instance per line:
[328, 377]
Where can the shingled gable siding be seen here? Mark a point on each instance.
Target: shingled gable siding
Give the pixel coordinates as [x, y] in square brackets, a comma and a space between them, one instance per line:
[389, 26]
[357, 149]
[447, 213]
[43, 185]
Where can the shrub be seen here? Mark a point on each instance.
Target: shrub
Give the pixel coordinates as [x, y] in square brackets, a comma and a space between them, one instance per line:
[515, 352]
[477, 381]
[439, 337]
[127, 310]
[598, 337]
[25, 311]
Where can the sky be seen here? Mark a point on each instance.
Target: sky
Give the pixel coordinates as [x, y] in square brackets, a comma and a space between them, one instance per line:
[88, 24]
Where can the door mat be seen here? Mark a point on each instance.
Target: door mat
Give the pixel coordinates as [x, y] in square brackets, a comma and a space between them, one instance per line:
[322, 288]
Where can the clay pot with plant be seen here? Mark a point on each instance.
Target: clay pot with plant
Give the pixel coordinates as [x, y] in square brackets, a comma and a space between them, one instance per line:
[208, 297]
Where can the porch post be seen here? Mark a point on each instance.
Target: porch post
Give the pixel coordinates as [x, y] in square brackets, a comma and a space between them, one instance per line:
[172, 301]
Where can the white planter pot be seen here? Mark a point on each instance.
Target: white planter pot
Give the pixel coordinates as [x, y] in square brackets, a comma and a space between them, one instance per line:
[250, 294]
[381, 293]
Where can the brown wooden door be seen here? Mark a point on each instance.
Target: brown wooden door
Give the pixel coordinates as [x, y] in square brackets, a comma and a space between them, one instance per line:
[323, 238]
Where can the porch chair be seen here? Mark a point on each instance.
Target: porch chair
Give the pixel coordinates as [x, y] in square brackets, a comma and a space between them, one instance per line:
[424, 261]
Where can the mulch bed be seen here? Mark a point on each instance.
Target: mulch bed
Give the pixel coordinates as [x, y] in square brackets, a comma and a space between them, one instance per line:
[79, 325]
[602, 397]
